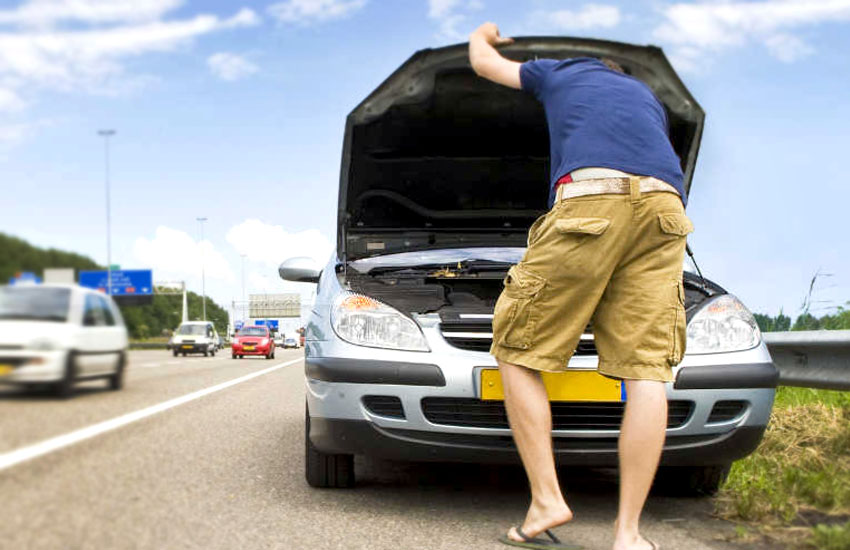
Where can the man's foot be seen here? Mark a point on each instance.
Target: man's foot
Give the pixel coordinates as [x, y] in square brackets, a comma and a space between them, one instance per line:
[540, 518]
[634, 543]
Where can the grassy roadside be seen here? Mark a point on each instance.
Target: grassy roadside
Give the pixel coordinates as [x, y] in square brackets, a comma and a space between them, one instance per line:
[795, 489]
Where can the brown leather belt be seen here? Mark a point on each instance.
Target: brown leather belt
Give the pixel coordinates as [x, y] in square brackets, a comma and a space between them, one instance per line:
[604, 186]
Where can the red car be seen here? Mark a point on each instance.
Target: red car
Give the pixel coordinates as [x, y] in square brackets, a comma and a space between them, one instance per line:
[252, 340]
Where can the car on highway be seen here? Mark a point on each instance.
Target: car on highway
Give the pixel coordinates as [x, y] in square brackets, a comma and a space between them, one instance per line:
[442, 177]
[252, 340]
[58, 335]
[195, 337]
[290, 342]
[278, 339]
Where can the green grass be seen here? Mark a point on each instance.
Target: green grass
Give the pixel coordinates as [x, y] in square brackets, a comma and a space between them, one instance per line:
[800, 471]
[835, 537]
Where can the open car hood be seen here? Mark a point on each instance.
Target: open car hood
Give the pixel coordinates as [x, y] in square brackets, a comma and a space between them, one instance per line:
[437, 157]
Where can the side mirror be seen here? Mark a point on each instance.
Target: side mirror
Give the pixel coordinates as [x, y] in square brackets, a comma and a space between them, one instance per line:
[299, 270]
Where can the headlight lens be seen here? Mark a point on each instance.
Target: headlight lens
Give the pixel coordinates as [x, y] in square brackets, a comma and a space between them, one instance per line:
[365, 321]
[723, 325]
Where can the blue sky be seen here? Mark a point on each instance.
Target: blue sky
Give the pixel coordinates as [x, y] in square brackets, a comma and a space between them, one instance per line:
[235, 111]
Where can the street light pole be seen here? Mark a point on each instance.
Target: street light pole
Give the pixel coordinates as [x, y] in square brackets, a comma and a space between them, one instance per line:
[106, 134]
[203, 277]
[243, 288]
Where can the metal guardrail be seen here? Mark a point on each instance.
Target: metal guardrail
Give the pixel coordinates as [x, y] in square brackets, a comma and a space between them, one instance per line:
[811, 358]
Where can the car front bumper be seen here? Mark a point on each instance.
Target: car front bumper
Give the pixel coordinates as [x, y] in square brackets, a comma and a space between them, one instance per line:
[341, 379]
[258, 350]
[192, 348]
[32, 367]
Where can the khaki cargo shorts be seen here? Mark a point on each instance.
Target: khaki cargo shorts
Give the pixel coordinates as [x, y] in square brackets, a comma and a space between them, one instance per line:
[612, 259]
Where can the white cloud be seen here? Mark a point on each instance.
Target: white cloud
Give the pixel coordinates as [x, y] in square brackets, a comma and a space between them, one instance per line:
[175, 255]
[229, 66]
[705, 27]
[81, 45]
[271, 244]
[590, 16]
[787, 47]
[304, 12]
[450, 15]
[39, 13]
[10, 101]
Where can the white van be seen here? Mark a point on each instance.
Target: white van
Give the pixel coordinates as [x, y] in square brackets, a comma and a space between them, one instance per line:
[195, 337]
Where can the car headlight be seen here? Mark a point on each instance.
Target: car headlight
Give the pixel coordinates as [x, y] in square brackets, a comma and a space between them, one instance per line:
[722, 325]
[364, 321]
[264, 341]
[44, 344]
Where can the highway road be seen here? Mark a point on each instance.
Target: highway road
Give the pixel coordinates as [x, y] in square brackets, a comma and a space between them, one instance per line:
[208, 453]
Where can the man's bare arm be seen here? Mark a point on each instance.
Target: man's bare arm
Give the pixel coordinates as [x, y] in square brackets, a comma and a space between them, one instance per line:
[486, 61]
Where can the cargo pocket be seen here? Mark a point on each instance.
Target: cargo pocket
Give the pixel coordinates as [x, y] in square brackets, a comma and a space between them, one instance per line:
[514, 316]
[678, 333]
[582, 226]
[675, 224]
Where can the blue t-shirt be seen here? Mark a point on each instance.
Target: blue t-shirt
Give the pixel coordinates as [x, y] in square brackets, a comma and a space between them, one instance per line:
[601, 117]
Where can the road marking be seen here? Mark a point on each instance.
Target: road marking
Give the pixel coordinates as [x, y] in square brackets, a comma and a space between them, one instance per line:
[13, 458]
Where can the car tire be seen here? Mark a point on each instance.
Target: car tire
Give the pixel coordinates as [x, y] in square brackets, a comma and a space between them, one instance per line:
[175, 353]
[233, 356]
[699, 481]
[212, 353]
[116, 381]
[184, 354]
[65, 387]
[327, 471]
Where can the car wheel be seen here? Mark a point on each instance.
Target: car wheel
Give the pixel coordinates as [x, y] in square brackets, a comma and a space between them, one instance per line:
[116, 381]
[175, 353]
[212, 353]
[692, 480]
[184, 354]
[233, 356]
[241, 356]
[65, 387]
[326, 470]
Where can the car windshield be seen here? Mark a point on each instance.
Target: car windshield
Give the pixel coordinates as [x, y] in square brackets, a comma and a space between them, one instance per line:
[509, 255]
[252, 331]
[192, 329]
[34, 303]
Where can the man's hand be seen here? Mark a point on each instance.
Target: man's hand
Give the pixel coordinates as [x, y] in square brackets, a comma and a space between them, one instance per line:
[487, 62]
[490, 33]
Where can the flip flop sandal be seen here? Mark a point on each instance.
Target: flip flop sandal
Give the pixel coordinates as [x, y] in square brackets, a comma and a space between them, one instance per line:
[541, 544]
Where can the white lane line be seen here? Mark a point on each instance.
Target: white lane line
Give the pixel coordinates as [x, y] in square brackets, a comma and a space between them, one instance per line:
[13, 458]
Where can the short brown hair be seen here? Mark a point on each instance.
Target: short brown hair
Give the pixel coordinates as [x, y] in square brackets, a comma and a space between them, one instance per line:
[613, 65]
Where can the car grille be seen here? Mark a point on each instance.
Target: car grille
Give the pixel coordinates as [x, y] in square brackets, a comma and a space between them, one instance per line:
[477, 335]
[475, 413]
[384, 405]
[726, 410]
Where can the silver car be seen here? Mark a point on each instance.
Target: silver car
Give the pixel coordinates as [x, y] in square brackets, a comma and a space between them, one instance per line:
[442, 175]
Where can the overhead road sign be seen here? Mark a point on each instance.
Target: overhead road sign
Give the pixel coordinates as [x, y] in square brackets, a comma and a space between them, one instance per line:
[24, 277]
[129, 286]
[265, 306]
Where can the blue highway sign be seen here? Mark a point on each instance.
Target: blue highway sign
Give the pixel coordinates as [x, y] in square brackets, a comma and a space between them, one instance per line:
[125, 282]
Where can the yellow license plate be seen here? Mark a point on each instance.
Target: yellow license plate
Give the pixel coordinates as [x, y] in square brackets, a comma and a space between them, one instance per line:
[187, 347]
[561, 386]
[248, 348]
[6, 369]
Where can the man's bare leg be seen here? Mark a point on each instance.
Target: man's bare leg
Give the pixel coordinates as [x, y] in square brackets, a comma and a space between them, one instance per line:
[641, 441]
[531, 423]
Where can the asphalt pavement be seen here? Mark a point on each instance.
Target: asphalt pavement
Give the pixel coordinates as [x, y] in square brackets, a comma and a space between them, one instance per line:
[208, 453]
